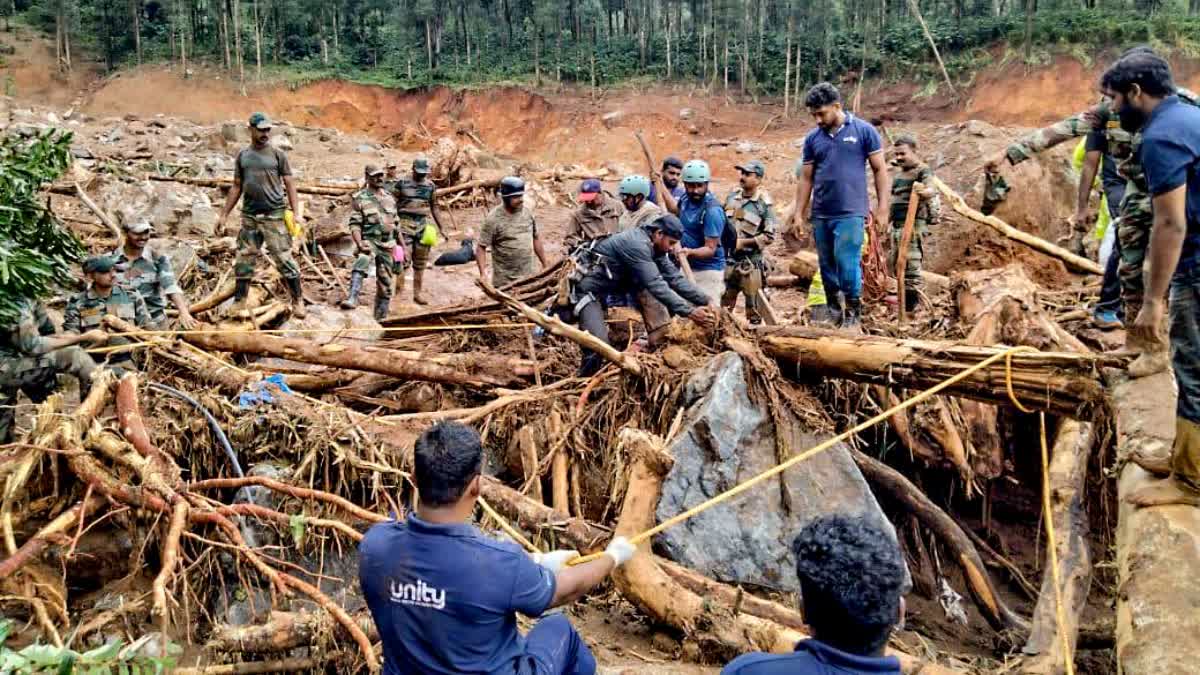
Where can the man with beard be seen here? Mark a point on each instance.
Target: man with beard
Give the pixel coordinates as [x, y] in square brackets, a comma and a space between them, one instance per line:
[750, 210]
[912, 171]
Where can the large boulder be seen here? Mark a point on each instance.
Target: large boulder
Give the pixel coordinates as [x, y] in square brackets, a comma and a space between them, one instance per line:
[725, 439]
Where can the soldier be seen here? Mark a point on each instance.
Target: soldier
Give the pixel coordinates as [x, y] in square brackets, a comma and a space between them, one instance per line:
[32, 357]
[597, 217]
[391, 175]
[415, 205]
[912, 170]
[263, 175]
[749, 209]
[511, 231]
[142, 269]
[639, 210]
[86, 311]
[373, 226]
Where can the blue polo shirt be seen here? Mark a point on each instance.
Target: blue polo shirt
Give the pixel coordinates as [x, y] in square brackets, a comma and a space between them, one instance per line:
[1170, 155]
[445, 597]
[840, 168]
[700, 221]
[678, 192]
[812, 657]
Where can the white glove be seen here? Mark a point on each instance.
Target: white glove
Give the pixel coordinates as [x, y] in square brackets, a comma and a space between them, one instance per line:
[554, 560]
[620, 550]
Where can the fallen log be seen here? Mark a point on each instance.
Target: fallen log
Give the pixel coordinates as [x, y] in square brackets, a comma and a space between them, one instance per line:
[99, 212]
[1036, 243]
[533, 289]
[1059, 382]
[284, 631]
[644, 583]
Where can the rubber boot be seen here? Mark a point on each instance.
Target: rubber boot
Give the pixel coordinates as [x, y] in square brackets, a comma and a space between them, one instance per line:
[418, 285]
[911, 298]
[356, 282]
[241, 291]
[298, 309]
[382, 305]
[851, 318]
[399, 285]
[1150, 363]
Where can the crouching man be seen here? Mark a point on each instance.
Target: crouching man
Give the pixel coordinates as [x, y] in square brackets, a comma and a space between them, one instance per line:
[445, 597]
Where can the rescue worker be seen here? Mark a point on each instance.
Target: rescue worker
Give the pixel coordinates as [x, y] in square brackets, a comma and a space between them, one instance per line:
[416, 206]
[597, 216]
[510, 233]
[668, 189]
[634, 193]
[749, 209]
[32, 357]
[86, 310]
[263, 176]
[638, 261]
[149, 272]
[391, 175]
[373, 226]
[703, 222]
[912, 170]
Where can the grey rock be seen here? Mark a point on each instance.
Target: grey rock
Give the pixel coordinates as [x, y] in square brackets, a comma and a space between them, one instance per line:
[175, 142]
[282, 142]
[724, 440]
[746, 147]
[686, 113]
[158, 122]
[114, 134]
[245, 606]
[80, 152]
[234, 132]
[365, 149]
[181, 254]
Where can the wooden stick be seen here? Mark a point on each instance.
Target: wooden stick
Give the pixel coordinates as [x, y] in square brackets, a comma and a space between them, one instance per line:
[914, 202]
[332, 269]
[1036, 243]
[768, 312]
[915, 8]
[104, 217]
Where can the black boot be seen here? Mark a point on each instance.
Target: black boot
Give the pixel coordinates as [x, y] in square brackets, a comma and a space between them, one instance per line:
[298, 309]
[382, 305]
[911, 298]
[356, 282]
[851, 318]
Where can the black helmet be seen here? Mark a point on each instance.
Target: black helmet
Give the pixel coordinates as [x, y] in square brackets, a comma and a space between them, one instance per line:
[669, 225]
[511, 186]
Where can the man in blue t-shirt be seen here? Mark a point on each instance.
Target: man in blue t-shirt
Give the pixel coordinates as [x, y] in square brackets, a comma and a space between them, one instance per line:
[1167, 140]
[445, 597]
[703, 220]
[852, 577]
[833, 173]
[668, 198]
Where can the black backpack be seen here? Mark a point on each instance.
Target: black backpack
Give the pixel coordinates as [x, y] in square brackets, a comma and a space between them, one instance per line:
[729, 234]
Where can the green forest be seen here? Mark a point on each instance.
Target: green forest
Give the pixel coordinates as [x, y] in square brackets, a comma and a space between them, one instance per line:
[745, 46]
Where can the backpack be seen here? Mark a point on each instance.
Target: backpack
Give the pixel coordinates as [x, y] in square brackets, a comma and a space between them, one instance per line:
[729, 235]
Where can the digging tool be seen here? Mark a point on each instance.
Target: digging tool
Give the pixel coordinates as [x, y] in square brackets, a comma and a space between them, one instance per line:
[766, 310]
[914, 202]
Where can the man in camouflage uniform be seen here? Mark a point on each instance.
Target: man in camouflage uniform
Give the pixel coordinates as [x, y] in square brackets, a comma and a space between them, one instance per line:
[391, 175]
[597, 217]
[415, 205]
[1133, 226]
[912, 171]
[32, 357]
[749, 209]
[263, 175]
[510, 233]
[86, 310]
[373, 226]
[142, 269]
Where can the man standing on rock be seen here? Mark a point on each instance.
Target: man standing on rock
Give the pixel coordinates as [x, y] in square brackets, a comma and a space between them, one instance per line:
[597, 216]
[445, 596]
[373, 227]
[833, 174]
[148, 272]
[85, 311]
[263, 176]
[703, 223]
[510, 232]
[1168, 148]
[750, 210]
[416, 206]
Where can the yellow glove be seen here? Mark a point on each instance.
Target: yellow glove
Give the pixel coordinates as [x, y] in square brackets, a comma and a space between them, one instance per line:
[429, 236]
[294, 228]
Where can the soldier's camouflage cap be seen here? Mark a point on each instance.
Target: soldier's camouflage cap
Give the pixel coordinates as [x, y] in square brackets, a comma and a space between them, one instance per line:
[753, 166]
[99, 263]
[373, 170]
[420, 165]
[260, 121]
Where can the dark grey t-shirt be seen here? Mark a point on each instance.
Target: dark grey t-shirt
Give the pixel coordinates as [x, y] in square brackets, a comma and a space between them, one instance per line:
[261, 174]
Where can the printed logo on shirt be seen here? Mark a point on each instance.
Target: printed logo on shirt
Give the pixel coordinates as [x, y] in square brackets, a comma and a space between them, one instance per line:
[419, 594]
[850, 139]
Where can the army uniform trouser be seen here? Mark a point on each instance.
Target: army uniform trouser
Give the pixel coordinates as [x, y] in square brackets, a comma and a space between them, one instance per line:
[912, 262]
[385, 265]
[743, 276]
[37, 376]
[1185, 360]
[593, 318]
[256, 231]
[418, 253]
[1133, 233]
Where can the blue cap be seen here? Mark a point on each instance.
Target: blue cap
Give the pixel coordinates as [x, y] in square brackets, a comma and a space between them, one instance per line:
[589, 189]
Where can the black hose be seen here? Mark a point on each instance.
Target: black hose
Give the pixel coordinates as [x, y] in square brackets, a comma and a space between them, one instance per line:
[212, 423]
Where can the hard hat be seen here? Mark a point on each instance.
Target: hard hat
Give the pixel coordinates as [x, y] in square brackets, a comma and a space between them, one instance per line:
[696, 171]
[634, 185]
[511, 186]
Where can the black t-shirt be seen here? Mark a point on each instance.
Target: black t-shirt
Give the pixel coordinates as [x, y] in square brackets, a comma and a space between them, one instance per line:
[1109, 176]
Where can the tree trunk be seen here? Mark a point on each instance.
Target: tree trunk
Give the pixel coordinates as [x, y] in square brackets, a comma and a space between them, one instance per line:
[428, 45]
[225, 34]
[787, 68]
[135, 7]
[1029, 9]
[257, 43]
[237, 43]
[915, 7]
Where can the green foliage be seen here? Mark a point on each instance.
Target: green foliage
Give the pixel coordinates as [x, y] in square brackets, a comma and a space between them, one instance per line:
[109, 659]
[36, 252]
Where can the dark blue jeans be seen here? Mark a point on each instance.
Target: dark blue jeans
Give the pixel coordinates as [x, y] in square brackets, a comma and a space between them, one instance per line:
[554, 648]
[1185, 361]
[839, 254]
[1110, 291]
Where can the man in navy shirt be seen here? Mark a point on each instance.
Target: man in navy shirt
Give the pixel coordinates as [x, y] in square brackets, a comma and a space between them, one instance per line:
[833, 173]
[703, 220]
[1167, 140]
[445, 596]
[669, 179]
[852, 577]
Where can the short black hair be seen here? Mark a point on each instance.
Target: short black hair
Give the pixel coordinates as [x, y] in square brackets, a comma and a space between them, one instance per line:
[672, 161]
[446, 458]
[852, 575]
[1138, 49]
[821, 95]
[1144, 68]
[905, 139]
